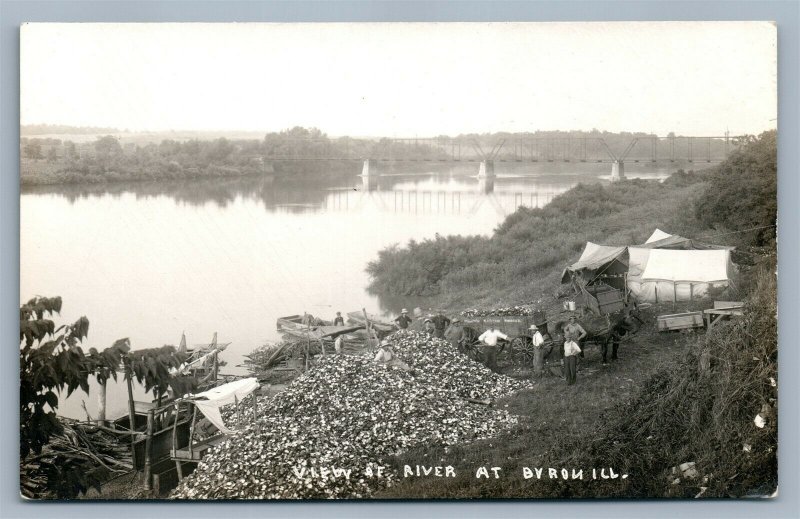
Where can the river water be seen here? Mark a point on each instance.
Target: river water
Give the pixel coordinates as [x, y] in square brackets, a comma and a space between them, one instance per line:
[150, 261]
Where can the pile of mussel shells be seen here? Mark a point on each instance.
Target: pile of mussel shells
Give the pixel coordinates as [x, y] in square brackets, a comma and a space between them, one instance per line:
[327, 435]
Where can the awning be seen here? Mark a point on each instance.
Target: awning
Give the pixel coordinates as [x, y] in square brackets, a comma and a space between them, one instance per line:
[209, 402]
[596, 257]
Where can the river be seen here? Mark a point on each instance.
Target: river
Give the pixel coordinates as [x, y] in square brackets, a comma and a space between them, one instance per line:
[151, 261]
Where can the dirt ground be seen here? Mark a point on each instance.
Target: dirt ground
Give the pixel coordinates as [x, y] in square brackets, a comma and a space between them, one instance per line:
[550, 414]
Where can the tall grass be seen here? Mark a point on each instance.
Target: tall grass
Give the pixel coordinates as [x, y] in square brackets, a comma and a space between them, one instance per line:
[529, 249]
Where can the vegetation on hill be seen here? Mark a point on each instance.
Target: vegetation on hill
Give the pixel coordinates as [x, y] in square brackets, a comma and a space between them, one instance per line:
[533, 245]
[705, 402]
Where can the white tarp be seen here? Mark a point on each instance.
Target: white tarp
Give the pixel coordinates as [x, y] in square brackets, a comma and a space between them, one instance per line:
[657, 235]
[209, 402]
[659, 275]
[687, 265]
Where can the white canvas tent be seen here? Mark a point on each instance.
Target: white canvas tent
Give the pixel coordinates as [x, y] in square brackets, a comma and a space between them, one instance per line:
[658, 275]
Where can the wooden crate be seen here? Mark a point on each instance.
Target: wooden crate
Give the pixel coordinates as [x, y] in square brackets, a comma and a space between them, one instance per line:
[680, 321]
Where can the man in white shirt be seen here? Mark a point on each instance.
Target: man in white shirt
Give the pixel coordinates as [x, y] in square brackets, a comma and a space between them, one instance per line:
[538, 351]
[489, 338]
[571, 352]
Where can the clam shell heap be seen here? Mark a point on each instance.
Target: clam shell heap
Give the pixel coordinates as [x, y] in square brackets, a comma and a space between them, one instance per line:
[348, 412]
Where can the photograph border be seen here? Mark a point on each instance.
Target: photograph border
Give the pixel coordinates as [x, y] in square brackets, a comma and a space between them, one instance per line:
[785, 13]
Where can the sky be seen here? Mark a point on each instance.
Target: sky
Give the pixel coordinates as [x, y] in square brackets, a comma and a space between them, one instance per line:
[404, 80]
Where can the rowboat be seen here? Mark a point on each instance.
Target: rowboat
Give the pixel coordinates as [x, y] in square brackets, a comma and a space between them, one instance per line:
[377, 322]
[318, 333]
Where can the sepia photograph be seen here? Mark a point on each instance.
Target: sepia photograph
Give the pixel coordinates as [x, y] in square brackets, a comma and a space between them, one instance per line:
[398, 261]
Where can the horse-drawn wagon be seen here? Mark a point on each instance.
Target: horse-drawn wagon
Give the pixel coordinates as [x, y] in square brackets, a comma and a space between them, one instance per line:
[603, 330]
[519, 345]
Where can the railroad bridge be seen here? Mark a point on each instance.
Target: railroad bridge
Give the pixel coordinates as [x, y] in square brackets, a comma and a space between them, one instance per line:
[371, 153]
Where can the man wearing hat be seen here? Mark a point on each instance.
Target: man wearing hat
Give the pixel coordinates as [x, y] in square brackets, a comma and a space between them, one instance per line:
[386, 355]
[403, 320]
[339, 320]
[573, 333]
[430, 328]
[440, 324]
[538, 350]
[456, 335]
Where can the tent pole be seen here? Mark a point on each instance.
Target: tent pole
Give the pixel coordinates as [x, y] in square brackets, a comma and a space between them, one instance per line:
[674, 295]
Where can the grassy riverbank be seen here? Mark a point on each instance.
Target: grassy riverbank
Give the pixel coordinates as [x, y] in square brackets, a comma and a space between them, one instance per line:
[523, 259]
[671, 398]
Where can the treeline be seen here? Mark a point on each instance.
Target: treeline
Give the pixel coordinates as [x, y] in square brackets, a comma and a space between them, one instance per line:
[107, 159]
[527, 252]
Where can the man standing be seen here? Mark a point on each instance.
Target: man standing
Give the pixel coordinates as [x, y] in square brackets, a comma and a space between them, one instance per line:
[571, 351]
[455, 334]
[339, 320]
[440, 324]
[403, 320]
[489, 338]
[574, 332]
[538, 350]
[430, 329]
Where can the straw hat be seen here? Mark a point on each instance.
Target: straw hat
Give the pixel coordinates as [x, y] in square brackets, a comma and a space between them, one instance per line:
[533, 327]
[404, 311]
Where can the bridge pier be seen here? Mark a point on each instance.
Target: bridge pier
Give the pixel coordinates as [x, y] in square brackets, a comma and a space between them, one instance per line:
[617, 170]
[487, 169]
[370, 168]
[486, 185]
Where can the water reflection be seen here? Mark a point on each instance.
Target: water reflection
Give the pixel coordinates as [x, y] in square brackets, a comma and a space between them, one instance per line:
[150, 261]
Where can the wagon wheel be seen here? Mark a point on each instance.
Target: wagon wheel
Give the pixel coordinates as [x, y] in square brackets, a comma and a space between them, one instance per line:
[522, 351]
[472, 349]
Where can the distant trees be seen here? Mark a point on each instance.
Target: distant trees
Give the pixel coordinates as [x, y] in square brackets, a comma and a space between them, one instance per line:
[32, 150]
[744, 192]
[107, 146]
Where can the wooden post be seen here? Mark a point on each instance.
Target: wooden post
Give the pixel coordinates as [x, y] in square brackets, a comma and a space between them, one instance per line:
[674, 295]
[175, 430]
[216, 366]
[101, 403]
[148, 451]
[159, 398]
[191, 432]
[131, 415]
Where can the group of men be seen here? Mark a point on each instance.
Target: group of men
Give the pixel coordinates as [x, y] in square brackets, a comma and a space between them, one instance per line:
[439, 326]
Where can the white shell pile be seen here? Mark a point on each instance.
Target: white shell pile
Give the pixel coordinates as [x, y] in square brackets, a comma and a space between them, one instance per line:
[348, 413]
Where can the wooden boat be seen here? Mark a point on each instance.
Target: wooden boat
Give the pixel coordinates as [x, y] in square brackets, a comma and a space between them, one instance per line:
[377, 322]
[318, 333]
[295, 322]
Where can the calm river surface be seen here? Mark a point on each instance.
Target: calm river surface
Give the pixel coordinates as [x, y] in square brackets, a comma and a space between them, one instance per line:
[150, 261]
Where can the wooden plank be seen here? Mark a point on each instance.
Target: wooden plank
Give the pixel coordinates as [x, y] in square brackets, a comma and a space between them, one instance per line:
[719, 305]
[680, 321]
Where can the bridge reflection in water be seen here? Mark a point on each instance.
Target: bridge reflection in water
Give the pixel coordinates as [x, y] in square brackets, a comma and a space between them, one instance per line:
[465, 197]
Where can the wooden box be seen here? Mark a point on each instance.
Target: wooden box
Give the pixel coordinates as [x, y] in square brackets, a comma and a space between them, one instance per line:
[680, 321]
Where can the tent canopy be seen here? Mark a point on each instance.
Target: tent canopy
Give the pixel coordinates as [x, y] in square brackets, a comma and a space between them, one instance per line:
[596, 259]
[657, 235]
[209, 402]
[703, 266]
[661, 240]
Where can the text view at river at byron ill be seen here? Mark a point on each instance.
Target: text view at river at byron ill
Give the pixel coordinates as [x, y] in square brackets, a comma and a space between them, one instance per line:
[152, 260]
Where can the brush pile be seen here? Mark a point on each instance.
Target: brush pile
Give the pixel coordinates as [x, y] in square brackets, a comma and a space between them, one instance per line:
[326, 434]
[81, 455]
